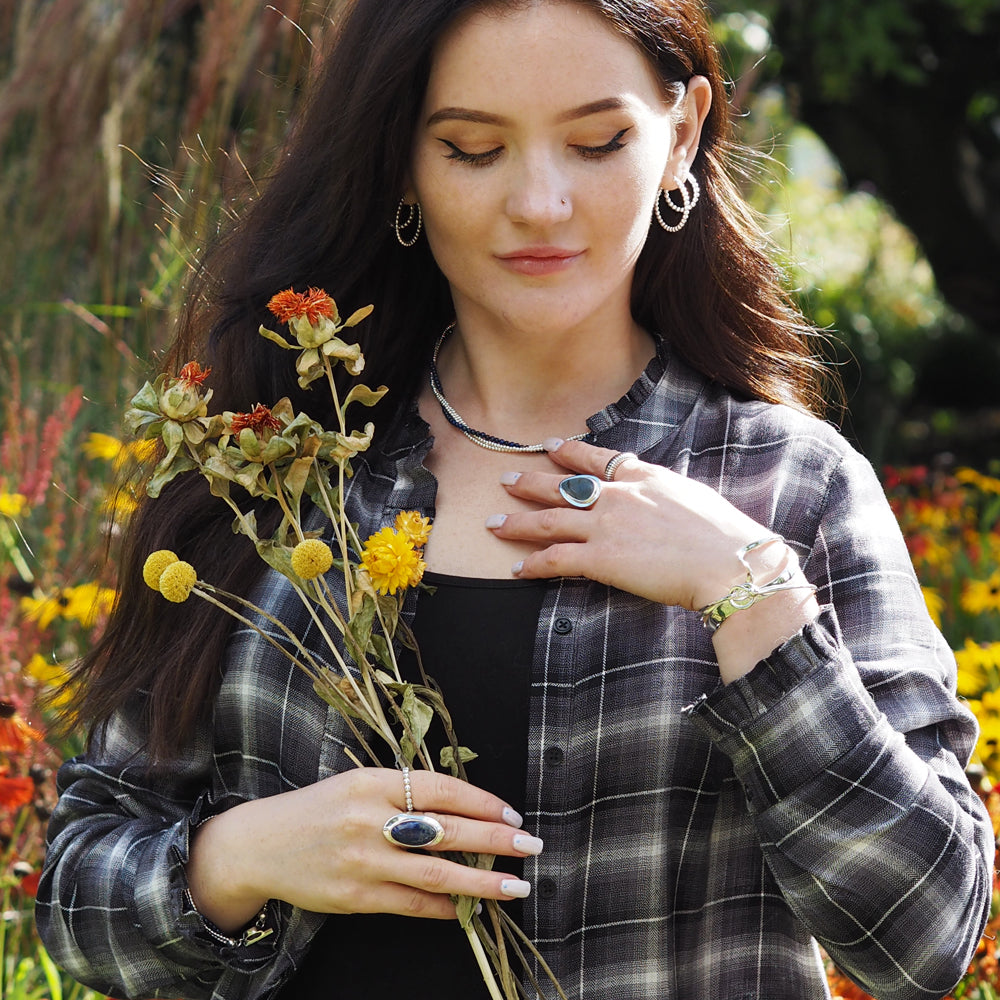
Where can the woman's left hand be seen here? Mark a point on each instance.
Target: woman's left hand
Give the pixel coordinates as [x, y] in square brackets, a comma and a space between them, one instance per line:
[651, 532]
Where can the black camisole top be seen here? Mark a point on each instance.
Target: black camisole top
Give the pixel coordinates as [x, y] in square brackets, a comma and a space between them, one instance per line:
[476, 638]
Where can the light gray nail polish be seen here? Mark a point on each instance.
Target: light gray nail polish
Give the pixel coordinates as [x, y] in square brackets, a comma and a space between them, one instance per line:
[495, 520]
[515, 887]
[512, 817]
[527, 844]
[509, 478]
[517, 567]
[553, 444]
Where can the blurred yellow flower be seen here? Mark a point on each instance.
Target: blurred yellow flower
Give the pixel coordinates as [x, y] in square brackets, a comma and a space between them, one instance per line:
[111, 449]
[87, 603]
[120, 504]
[934, 602]
[103, 446]
[43, 610]
[49, 675]
[12, 504]
[974, 661]
[415, 526]
[392, 561]
[980, 596]
[986, 484]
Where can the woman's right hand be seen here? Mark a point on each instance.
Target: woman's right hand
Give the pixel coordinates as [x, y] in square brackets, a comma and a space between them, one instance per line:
[321, 848]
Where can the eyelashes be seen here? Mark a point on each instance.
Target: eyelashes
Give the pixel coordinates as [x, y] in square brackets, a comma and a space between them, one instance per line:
[491, 155]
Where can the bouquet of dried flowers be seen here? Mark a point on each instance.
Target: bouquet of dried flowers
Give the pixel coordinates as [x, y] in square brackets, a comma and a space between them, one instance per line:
[288, 458]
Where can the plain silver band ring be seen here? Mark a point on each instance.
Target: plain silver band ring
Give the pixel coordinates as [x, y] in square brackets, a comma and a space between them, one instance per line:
[612, 467]
[409, 829]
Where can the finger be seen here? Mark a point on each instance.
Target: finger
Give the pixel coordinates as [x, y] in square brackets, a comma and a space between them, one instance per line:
[441, 793]
[554, 524]
[561, 559]
[588, 458]
[474, 836]
[432, 874]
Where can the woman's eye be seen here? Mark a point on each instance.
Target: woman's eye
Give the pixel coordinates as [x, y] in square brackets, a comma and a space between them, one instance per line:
[595, 152]
[475, 159]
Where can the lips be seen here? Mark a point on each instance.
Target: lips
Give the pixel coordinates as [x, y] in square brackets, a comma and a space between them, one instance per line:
[540, 260]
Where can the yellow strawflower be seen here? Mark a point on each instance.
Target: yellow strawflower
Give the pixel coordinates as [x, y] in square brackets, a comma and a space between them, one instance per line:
[311, 558]
[156, 562]
[12, 504]
[177, 581]
[392, 561]
[415, 526]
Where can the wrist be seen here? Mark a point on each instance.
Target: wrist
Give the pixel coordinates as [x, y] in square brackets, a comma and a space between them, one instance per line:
[223, 876]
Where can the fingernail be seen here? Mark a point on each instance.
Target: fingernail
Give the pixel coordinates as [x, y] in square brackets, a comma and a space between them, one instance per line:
[527, 844]
[509, 478]
[512, 817]
[517, 567]
[553, 444]
[479, 908]
[495, 520]
[515, 887]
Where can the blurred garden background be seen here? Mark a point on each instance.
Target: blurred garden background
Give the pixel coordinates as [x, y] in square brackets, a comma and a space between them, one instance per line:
[131, 129]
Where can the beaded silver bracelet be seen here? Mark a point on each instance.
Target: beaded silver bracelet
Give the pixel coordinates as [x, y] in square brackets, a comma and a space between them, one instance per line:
[746, 594]
[257, 931]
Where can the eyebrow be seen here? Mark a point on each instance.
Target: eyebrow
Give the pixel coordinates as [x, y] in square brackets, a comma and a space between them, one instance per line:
[486, 118]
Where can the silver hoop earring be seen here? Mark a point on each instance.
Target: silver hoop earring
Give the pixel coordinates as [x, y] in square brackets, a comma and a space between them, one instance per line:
[401, 223]
[689, 201]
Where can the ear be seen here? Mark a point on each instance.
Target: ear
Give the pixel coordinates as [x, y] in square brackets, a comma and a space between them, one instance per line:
[692, 112]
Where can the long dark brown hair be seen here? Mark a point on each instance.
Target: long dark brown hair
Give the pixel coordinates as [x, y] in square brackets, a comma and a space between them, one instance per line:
[325, 219]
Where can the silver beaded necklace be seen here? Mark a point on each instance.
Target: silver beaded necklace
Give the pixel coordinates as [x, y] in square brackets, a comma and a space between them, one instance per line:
[481, 438]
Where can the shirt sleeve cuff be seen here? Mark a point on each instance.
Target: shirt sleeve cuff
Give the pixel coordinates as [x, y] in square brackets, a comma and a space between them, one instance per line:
[164, 910]
[791, 716]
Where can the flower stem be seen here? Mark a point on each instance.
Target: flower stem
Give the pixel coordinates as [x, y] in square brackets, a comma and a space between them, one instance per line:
[483, 962]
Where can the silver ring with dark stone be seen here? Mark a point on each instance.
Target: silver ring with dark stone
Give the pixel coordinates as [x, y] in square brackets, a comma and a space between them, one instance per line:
[412, 830]
[580, 491]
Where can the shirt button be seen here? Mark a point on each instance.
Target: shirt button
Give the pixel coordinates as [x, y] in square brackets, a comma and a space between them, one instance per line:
[547, 888]
[563, 626]
[553, 755]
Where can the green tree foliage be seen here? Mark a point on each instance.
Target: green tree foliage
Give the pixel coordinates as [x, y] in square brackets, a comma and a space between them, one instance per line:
[906, 94]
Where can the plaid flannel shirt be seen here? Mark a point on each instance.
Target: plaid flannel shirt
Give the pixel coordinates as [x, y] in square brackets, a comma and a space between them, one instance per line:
[699, 838]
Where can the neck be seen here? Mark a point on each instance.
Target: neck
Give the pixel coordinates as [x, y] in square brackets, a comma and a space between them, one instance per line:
[525, 385]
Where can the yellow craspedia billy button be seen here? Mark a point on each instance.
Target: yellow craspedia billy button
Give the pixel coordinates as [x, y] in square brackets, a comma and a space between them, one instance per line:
[311, 558]
[156, 562]
[177, 581]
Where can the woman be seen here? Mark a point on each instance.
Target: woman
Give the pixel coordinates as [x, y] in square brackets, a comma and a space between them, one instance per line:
[709, 788]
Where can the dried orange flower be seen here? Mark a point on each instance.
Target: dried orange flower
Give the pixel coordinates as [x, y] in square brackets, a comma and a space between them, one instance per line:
[259, 419]
[290, 304]
[193, 374]
[392, 561]
[156, 562]
[311, 558]
[177, 581]
[415, 526]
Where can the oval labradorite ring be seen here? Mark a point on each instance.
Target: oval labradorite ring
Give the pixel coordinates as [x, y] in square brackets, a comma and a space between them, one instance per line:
[412, 830]
[580, 491]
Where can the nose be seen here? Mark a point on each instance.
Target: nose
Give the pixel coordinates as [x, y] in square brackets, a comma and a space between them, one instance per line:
[539, 194]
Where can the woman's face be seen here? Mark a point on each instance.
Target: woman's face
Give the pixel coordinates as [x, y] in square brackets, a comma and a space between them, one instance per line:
[543, 141]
